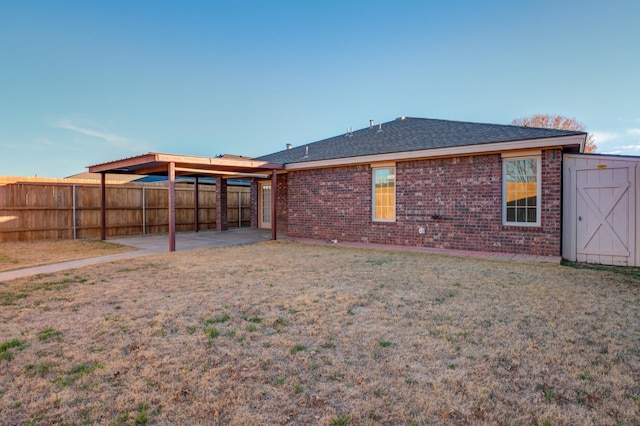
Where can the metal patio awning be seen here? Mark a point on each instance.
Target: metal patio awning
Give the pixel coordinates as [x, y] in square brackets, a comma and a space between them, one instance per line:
[172, 165]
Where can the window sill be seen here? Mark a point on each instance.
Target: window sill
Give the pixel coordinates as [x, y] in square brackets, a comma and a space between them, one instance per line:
[522, 228]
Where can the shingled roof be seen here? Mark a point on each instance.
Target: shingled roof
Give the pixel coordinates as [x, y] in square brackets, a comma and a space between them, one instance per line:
[407, 134]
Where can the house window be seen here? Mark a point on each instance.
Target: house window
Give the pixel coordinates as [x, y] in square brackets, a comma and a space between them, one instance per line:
[384, 194]
[521, 191]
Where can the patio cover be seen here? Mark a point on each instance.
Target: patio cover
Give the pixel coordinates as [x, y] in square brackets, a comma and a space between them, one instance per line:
[172, 165]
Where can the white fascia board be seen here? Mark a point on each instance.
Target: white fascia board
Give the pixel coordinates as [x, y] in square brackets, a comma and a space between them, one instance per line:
[456, 151]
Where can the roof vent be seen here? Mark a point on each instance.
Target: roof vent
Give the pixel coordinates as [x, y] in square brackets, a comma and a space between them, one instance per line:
[289, 146]
[306, 151]
[349, 132]
[379, 127]
[401, 118]
[371, 124]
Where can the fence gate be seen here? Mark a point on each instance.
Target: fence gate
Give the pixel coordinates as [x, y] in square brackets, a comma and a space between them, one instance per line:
[600, 205]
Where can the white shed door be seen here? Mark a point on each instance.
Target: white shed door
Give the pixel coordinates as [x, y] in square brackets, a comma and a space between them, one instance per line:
[604, 208]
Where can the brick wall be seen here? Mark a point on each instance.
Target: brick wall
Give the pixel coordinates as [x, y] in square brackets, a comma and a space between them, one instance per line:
[466, 192]
[253, 196]
[221, 200]
[281, 203]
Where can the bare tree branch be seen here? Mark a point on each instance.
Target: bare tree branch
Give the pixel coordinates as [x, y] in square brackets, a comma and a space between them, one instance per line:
[556, 121]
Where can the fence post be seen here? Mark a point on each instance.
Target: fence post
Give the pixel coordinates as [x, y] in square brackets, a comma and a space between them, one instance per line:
[239, 209]
[75, 232]
[196, 204]
[103, 206]
[144, 212]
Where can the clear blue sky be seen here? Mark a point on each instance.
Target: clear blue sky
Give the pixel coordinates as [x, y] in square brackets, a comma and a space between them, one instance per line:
[85, 82]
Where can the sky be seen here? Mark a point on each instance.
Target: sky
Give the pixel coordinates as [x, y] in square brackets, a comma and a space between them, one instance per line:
[87, 82]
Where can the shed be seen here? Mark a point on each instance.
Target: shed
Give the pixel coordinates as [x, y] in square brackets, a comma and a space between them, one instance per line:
[601, 203]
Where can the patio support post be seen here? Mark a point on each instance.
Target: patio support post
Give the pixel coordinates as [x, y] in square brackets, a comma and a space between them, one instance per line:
[172, 206]
[103, 206]
[253, 202]
[221, 204]
[274, 210]
[196, 204]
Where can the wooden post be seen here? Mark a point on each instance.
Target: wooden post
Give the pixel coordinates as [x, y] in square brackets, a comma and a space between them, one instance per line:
[144, 211]
[103, 206]
[75, 214]
[239, 208]
[274, 210]
[172, 206]
[196, 204]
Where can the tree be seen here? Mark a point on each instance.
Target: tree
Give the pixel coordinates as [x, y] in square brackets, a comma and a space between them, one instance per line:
[555, 121]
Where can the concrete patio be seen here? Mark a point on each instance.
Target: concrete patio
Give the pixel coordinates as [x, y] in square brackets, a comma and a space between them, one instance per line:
[192, 240]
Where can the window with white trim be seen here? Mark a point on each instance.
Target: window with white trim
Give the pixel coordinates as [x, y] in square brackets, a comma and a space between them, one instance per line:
[384, 194]
[521, 191]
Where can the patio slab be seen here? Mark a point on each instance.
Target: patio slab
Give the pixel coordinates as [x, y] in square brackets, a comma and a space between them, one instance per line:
[192, 240]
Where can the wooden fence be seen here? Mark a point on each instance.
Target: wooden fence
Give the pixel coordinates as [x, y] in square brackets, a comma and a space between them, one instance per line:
[63, 210]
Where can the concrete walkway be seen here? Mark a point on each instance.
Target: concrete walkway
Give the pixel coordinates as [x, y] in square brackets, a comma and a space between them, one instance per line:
[71, 264]
[236, 236]
[151, 244]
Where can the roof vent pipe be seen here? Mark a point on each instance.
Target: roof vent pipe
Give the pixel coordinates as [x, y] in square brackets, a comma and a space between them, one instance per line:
[370, 124]
[289, 146]
[379, 127]
[306, 151]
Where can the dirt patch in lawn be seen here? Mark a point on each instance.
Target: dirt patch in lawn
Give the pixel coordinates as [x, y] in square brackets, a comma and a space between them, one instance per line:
[24, 254]
[286, 333]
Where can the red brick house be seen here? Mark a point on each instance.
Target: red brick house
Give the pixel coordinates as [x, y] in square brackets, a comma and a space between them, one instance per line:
[411, 181]
[424, 182]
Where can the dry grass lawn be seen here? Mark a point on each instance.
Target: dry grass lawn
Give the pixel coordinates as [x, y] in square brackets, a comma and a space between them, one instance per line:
[33, 253]
[287, 333]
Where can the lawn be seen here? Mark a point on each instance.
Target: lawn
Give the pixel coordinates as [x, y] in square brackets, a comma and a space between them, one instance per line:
[288, 333]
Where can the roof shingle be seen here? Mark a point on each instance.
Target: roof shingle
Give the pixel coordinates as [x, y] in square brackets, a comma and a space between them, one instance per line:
[410, 134]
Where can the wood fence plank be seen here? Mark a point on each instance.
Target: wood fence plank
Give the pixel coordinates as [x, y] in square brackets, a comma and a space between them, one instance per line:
[44, 210]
